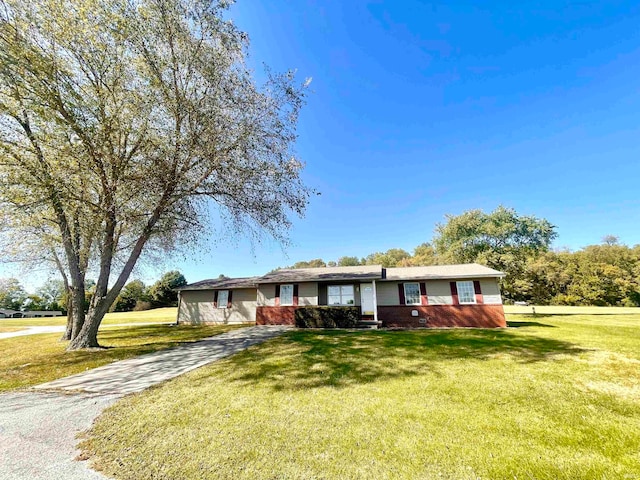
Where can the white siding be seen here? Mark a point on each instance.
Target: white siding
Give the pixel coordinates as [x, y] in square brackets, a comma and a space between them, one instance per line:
[266, 295]
[308, 293]
[439, 292]
[490, 291]
[196, 306]
[387, 293]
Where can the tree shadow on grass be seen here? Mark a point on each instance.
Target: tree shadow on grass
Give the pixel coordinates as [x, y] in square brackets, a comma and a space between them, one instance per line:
[514, 324]
[310, 359]
[126, 342]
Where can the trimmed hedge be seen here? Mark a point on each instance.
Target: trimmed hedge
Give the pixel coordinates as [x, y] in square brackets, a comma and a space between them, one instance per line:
[327, 317]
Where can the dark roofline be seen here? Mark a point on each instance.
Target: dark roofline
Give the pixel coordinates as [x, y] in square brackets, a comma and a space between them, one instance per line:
[335, 274]
[322, 274]
[221, 284]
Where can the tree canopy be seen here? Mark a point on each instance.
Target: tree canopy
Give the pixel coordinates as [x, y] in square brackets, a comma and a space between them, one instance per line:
[501, 239]
[519, 245]
[121, 124]
[12, 294]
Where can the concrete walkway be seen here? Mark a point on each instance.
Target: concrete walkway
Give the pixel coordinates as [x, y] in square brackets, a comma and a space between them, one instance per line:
[139, 373]
[38, 428]
[60, 328]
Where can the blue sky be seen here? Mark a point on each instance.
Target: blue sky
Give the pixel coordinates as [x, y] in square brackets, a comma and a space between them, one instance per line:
[418, 110]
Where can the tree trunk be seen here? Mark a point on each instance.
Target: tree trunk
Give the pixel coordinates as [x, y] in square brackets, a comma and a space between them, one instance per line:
[77, 309]
[69, 329]
[69, 306]
[87, 336]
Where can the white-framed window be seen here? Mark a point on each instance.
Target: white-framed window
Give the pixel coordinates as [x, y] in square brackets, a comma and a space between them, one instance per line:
[412, 294]
[340, 295]
[286, 294]
[466, 292]
[223, 298]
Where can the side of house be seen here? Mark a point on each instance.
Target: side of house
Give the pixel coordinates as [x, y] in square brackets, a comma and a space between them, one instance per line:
[211, 302]
[413, 297]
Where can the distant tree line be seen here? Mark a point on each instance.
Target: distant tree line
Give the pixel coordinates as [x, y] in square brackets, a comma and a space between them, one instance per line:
[52, 295]
[606, 274]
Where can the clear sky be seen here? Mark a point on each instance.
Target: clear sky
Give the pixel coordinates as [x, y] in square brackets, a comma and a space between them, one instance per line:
[418, 110]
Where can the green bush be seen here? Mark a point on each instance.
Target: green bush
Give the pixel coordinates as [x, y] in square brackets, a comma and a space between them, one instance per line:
[327, 317]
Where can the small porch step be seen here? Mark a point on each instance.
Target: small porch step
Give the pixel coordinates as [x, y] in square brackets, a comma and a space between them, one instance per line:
[368, 324]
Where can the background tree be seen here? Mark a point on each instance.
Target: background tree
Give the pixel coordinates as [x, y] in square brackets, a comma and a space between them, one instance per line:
[131, 295]
[162, 292]
[424, 255]
[348, 261]
[12, 294]
[502, 239]
[315, 263]
[120, 121]
[52, 293]
[394, 257]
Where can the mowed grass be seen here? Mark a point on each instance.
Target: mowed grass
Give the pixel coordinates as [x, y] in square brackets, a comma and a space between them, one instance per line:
[157, 315]
[555, 397]
[10, 329]
[33, 359]
[569, 310]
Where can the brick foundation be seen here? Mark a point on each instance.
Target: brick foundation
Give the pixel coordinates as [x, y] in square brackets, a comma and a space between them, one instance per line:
[276, 315]
[479, 316]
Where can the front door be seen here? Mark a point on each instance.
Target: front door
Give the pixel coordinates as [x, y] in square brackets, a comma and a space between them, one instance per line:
[366, 298]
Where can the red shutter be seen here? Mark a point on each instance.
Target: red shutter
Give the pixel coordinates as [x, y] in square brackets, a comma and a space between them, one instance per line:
[277, 295]
[401, 293]
[229, 298]
[295, 294]
[478, 292]
[215, 299]
[454, 293]
[424, 300]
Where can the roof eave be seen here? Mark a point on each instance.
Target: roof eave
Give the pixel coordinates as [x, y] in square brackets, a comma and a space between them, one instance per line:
[444, 277]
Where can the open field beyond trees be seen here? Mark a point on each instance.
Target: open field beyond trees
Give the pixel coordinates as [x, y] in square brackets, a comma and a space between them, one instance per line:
[569, 310]
[157, 315]
[34, 359]
[4, 329]
[168, 314]
[553, 397]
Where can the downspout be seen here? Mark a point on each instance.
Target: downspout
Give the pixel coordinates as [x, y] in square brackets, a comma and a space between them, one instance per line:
[179, 303]
[375, 302]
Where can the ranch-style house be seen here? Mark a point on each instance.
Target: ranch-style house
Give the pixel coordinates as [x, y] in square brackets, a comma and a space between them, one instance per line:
[465, 295]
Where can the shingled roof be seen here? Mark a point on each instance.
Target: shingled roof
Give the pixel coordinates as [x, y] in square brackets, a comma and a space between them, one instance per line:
[362, 272]
[323, 274]
[436, 272]
[224, 283]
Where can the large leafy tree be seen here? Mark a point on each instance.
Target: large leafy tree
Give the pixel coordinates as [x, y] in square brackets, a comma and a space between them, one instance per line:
[394, 257]
[52, 293]
[132, 294]
[163, 293]
[502, 239]
[122, 122]
[12, 294]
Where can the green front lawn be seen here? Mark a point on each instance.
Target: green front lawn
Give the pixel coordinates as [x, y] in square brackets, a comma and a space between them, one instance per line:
[33, 359]
[10, 329]
[549, 398]
[157, 315]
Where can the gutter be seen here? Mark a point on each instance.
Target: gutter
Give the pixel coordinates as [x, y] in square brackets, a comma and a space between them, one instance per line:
[179, 303]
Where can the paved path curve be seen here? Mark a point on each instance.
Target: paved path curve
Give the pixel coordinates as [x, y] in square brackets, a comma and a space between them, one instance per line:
[60, 328]
[38, 428]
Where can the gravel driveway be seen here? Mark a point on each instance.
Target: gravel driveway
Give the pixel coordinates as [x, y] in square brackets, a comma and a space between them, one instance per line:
[38, 428]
